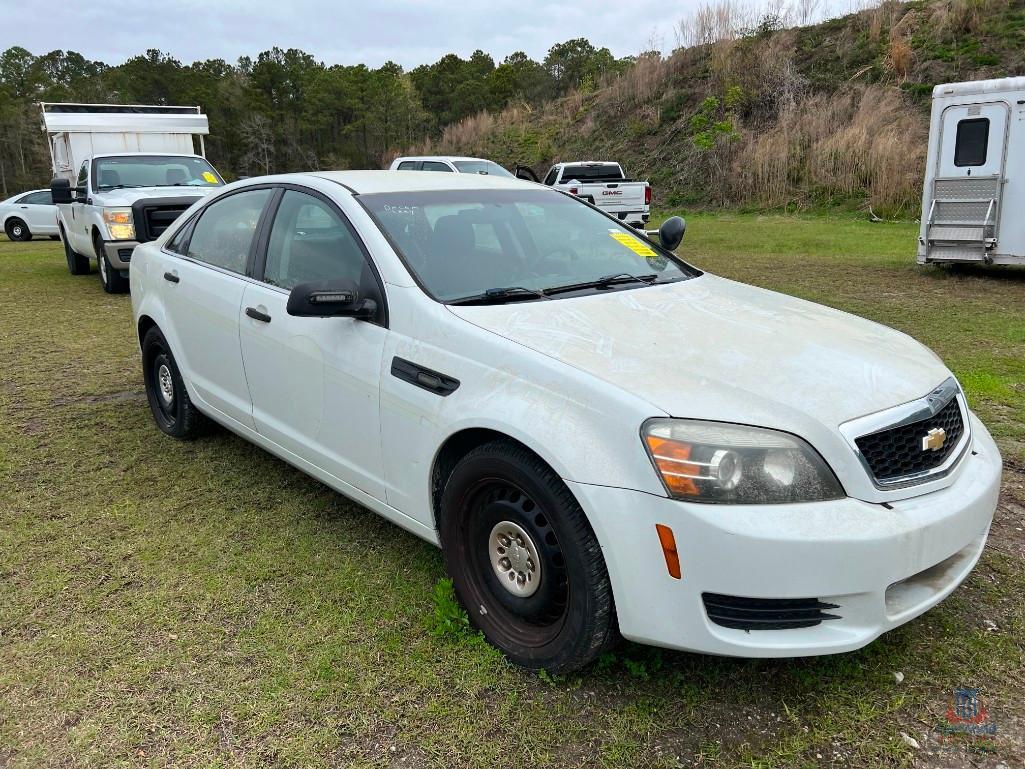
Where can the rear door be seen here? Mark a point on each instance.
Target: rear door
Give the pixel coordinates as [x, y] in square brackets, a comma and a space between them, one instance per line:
[315, 381]
[203, 288]
[39, 212]
[973, 137]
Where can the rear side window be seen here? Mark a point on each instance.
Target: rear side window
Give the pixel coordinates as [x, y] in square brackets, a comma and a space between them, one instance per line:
[407, 165]
[972, 141]
[224, 234]
[309, 241]
[39, 199]
[434, 165]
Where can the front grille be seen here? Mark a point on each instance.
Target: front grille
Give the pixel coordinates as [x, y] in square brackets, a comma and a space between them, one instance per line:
[154, 215]
[897, 453]
[159, 219]
[766, 613]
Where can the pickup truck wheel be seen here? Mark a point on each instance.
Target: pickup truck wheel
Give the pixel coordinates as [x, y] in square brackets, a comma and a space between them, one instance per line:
[168, 399]
[524, 561]
[77, 264]
[17, 230]
[113, 281]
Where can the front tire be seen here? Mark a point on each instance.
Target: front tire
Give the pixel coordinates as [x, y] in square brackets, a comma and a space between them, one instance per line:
[524, 561]
[111, 278]
[77, 264]
[168, 399]
[17, 230]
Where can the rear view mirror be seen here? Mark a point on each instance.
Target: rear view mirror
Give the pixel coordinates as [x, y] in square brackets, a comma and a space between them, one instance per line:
[329, 299]
[61, 191]
[670, 234]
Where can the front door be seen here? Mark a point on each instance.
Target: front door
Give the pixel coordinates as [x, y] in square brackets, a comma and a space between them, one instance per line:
[78, 227]
[315, 381]
[203, 291]
[972, 142]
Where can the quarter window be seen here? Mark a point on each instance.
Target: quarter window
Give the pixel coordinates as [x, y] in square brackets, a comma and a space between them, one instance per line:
[308, 242]
[224, 234]
[972, 142]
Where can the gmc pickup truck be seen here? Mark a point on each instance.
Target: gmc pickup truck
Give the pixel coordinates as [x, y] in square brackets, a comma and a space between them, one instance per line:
[602, 184]
[122, 175]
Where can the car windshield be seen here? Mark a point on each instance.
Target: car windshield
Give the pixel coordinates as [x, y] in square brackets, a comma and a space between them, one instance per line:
[480, 167]
[154, 171]
[462, 244]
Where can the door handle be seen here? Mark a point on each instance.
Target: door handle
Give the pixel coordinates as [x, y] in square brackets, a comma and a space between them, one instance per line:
[170, 276]
[25, 207]
[255, 314]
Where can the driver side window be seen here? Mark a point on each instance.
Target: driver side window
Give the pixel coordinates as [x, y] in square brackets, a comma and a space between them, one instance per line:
[309, 242]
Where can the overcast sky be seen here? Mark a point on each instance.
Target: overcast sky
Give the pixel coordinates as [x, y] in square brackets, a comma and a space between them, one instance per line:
[410, 32]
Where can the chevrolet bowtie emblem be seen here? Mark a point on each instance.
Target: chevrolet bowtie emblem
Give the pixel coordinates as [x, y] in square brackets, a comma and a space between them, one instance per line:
[934, 439]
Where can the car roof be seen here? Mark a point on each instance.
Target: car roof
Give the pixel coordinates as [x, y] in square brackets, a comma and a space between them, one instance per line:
[442, 157]
[367, 182]
[146, 154]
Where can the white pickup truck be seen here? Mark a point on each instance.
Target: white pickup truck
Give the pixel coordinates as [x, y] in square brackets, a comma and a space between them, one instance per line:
[122, 175]
[602, 184]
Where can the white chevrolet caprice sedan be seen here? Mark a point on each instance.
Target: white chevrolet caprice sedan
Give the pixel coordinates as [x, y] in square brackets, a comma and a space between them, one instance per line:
[603, 439]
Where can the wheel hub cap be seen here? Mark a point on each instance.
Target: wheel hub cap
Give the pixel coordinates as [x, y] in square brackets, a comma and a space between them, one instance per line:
[166, 384]
[103, 268]
[514, 559]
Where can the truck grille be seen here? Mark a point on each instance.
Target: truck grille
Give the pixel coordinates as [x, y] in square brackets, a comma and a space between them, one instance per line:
[154, 215]
[898, 452]
[766, 613]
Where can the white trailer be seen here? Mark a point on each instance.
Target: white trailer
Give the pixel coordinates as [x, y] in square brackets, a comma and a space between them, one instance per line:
[122, 175]
[976, 141]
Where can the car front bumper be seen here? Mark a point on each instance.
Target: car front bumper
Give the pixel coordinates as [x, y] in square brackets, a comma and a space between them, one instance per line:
[880, 566]
[119, 252]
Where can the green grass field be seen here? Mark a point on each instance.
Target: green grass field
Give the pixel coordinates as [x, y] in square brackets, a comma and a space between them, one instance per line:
[203, 604]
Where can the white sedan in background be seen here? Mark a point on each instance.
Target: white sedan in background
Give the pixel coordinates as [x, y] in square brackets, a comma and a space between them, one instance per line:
[602, 438]
[28, 214]
[449, 164]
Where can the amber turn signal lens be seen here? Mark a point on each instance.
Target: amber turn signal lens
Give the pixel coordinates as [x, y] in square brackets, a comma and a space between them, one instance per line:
[668, 542]
[671, 460]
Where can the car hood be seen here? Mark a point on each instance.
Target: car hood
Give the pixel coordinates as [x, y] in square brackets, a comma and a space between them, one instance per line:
[128, 196]
[716, 349]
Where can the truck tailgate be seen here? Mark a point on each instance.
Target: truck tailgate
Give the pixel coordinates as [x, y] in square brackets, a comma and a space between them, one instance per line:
[616, 196]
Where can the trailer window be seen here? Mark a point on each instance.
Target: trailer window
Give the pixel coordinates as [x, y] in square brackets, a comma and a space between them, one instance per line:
[972, 141]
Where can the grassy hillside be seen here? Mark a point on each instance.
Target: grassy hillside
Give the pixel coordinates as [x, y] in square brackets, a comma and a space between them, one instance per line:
[761, 115]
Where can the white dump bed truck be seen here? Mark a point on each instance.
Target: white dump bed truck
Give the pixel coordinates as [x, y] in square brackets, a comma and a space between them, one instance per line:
[973, 194]
[122, 175]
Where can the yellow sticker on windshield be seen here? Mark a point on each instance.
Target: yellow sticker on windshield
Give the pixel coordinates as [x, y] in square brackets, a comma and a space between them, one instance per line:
[209, 177]
[635, 245]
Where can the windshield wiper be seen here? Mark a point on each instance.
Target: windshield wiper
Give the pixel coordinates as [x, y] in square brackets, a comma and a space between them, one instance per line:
[117, 186]
[603, 282]
[502, 295]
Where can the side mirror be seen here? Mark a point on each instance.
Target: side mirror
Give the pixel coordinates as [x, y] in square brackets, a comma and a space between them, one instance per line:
[61, 191]
[329, 299]
[670, 234]
[525, 172]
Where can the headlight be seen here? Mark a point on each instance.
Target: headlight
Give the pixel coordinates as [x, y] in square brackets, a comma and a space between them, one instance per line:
[726, 463]
[119, 223]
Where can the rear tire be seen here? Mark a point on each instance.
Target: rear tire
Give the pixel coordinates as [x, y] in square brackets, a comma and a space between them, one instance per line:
[77, 264]
[524, 561]
[111, 278]
[169, 401]
[17, 230]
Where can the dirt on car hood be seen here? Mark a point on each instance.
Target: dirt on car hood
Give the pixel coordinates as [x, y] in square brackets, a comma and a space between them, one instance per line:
[713, 348]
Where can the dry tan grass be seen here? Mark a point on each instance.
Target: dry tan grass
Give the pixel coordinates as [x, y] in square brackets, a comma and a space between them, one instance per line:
[861, 142]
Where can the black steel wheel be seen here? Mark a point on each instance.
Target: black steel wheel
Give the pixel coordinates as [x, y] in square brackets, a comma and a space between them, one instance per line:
[169, 401]
[17, 230]
[524, 561]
